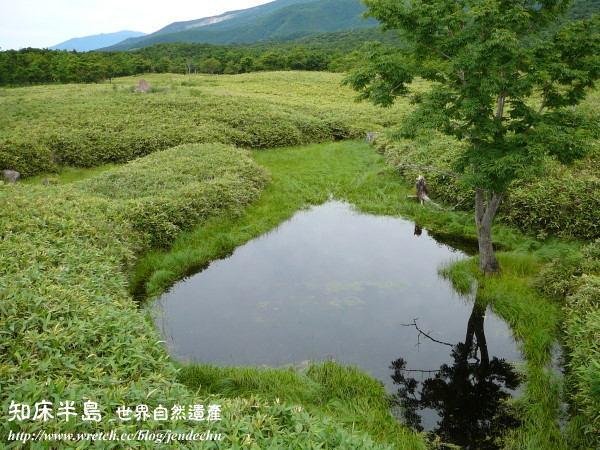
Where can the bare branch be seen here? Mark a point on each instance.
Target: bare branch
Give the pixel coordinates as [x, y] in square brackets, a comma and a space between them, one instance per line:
[421, 332]
[430, 169]
[422, 371]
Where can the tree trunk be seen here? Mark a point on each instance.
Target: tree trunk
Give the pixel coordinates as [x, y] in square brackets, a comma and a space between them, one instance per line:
[475, 329]
[422, 193]
[484, 218]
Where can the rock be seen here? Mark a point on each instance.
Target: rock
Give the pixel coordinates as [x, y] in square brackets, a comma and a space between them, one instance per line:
[11, 175]
[372, 136]
[142, 86]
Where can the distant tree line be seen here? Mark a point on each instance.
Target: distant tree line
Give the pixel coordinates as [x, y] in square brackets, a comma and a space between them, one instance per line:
[319, 52]
[34, 66]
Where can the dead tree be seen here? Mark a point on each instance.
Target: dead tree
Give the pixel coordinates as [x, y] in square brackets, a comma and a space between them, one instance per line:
[422, 193]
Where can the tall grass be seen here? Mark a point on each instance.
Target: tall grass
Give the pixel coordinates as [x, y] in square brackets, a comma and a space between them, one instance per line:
[352, 172]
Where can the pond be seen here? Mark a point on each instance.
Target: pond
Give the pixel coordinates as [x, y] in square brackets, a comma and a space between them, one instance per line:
[332, 283]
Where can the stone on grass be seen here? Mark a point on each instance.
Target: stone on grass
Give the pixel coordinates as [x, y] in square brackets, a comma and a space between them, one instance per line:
[142, 86]
[11, 175]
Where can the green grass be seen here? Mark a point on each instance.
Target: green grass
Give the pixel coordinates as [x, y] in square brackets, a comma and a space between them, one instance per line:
[68, 251]
[46, 128]
[303, 176]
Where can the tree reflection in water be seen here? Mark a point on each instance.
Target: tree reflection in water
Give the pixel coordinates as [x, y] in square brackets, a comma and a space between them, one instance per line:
[468, 395]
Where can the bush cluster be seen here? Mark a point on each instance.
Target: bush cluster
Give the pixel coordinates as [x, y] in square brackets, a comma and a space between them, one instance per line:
[564, 202]
[60, 125]
[70, 331]
[172, 190]
[560, 205]
[574, 280]
[582, 332]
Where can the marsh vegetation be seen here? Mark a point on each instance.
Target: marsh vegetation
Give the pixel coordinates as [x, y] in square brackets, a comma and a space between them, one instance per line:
[77, 250]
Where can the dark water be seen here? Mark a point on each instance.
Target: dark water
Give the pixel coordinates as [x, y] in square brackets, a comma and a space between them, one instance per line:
[356, 288]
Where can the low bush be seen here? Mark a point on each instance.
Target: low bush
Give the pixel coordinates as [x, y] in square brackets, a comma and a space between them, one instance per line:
[582, 333]
[58, 126]
[566, 205]
[170, 191]
[574, 281]
[563, 202]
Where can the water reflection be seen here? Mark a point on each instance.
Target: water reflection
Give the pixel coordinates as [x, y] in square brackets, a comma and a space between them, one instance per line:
[467, 395]
[330, 283]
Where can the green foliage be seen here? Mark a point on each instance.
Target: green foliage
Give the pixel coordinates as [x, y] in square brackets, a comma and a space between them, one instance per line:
[428, 148]
[172, 190]
[483, 73]
[561, 202]
[317, 52]
[582, 330]
[563, 206]
[70, 329]
[574, 280]
[51, 127]
[345, 394]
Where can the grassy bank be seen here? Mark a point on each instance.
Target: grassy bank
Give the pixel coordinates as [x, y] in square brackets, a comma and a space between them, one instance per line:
[70, 331]
[354, 173]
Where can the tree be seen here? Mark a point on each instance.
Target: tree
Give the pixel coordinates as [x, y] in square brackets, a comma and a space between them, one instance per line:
[210, 65]
[469, 396]
[492, 85]
[272, 60]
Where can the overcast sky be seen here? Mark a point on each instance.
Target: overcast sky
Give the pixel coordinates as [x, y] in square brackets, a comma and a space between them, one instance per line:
[44, 23]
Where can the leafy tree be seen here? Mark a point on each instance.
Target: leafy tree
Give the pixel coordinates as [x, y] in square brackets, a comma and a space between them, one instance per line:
[509, 99]
[211, 65]
[272, 60]
[248, 63]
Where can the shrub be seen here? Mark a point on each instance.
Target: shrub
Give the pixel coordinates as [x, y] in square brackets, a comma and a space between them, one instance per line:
[564, 202]
[86, 126]
[565, 206]
[582, 333]
[574, 280]
[170, 191]
[27, 156]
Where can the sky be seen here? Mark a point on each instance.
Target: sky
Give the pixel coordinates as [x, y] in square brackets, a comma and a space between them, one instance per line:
[44, 23]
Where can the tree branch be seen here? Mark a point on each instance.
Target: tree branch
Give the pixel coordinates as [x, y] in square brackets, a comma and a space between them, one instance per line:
[430, 169]
[459, 128]
[500, 107]
[421, 332]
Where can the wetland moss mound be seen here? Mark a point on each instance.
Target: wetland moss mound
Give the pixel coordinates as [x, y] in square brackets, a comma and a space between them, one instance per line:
[70, 331]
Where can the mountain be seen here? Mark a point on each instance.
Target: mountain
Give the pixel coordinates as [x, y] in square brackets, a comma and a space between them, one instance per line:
[278, 20]
[88, 43]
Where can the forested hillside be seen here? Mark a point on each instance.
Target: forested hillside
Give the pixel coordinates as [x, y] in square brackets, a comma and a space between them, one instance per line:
[273, 21]
[326, 51]
[317, 51]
